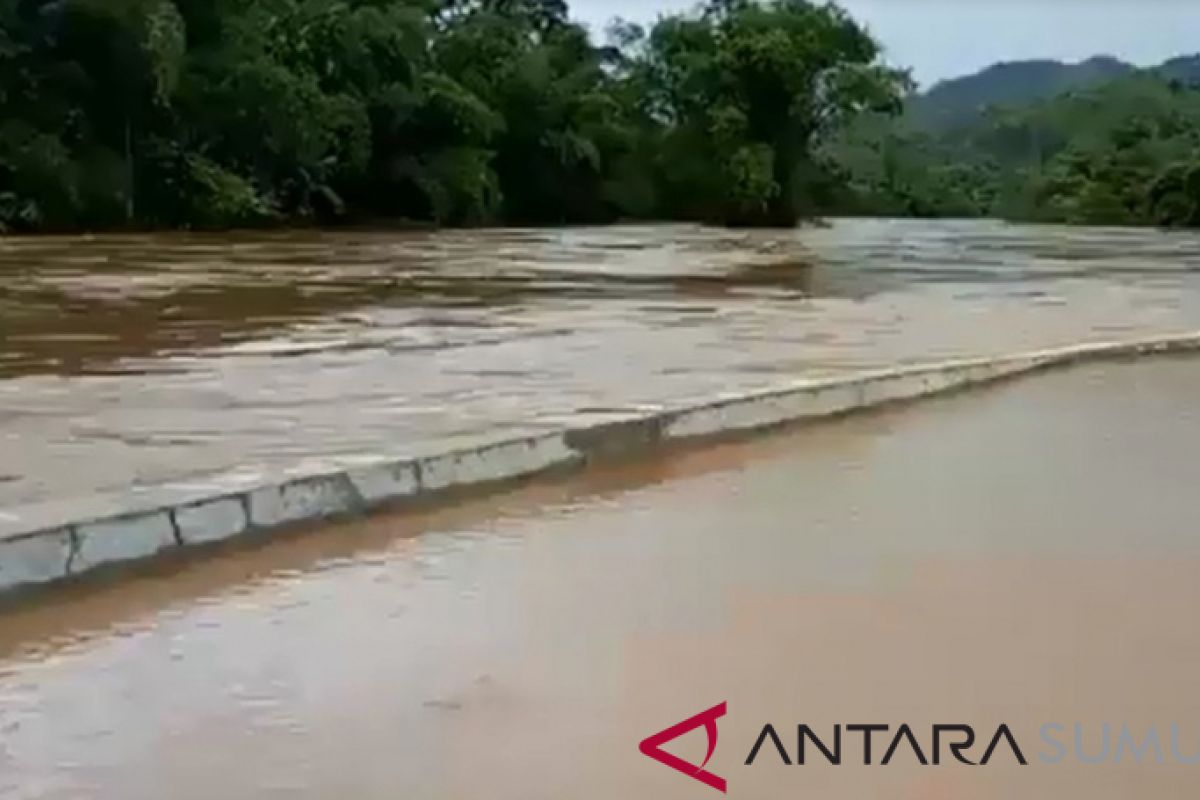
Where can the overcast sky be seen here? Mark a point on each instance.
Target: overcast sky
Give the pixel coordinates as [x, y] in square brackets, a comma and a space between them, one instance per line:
[946, 38]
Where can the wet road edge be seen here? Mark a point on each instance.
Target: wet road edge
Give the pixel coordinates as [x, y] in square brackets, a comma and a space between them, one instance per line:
[37, 550]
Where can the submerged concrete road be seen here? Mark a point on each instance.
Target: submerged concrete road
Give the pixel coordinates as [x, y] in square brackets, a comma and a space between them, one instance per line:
[1027, 555]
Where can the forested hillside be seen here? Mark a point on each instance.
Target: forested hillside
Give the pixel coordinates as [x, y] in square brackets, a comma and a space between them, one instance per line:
[216, 113]
[960, 101]
[1125, 151]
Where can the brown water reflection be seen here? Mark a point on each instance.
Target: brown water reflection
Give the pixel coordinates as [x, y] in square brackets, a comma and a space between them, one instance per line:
[1039, 565]
[130, 361]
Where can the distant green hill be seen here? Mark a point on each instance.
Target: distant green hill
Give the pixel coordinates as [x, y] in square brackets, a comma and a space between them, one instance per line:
[961, 101]
[1185, 69]
[1065, 147]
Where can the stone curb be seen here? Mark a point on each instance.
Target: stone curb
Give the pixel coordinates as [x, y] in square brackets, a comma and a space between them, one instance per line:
[50, 553]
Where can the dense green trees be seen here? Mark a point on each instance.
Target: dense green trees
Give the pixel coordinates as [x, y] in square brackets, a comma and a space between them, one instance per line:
[213, 113]
[746, 93]
[1125, 152]
[219, 113]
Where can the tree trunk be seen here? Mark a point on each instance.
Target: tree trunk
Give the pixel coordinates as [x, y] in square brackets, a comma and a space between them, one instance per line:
[783, 212]
[130, 207]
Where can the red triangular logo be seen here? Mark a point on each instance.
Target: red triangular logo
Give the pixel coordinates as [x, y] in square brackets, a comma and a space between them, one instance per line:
[652, 746]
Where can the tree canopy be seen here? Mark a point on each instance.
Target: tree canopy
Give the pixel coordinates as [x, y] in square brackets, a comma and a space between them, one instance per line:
[218, 113]
[1125, 152]
[224, 113]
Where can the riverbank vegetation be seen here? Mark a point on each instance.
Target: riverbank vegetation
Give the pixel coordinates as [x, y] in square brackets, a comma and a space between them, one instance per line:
[224, 113]
[215, 113]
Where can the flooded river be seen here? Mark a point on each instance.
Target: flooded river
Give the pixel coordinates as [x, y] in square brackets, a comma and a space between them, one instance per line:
[131, 361]
[1039, 567]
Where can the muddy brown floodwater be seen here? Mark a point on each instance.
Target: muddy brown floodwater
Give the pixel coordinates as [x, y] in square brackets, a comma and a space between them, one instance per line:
[131, 361]
[1023, 555]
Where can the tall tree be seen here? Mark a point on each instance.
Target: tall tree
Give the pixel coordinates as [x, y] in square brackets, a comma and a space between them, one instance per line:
[754, 87]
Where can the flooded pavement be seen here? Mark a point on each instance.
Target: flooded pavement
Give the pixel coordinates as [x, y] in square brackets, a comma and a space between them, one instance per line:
[1023, 555]
[130, 361]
